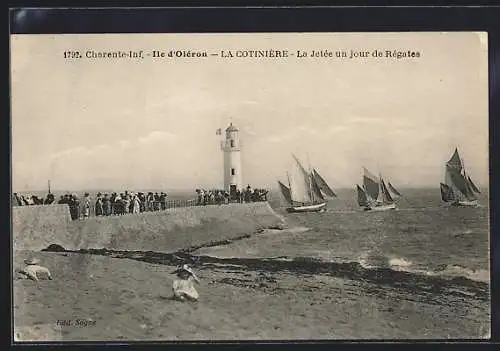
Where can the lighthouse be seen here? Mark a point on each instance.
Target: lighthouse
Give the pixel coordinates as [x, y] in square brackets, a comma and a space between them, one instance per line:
[232, 160]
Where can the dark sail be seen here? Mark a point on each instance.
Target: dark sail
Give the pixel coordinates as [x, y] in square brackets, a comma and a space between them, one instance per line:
[455, 161]
[393, 189]
[286, 192]
[322, 184]
[446, 193]
[386, 195]
[469, 188]
[370, 184]
[460, 183]
[472, 185]
[316, 189]
[362, 200]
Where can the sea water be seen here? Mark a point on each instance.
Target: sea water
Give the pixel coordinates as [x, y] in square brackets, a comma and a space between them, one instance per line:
[422, 252]
[421, 236]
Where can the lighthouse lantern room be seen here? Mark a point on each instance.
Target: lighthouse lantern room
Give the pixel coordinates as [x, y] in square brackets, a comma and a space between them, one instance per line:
[233, 179]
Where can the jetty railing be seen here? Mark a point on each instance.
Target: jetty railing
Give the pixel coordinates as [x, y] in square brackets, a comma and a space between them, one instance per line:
[169, 205]
[77, 211]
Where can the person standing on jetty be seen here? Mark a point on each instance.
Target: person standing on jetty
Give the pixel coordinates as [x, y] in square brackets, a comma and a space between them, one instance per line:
[183, 288]
[74, 207]
[150, 201]
[86, 206]
[136, 203]
[99, 210]
[126, 202]
[106, 205]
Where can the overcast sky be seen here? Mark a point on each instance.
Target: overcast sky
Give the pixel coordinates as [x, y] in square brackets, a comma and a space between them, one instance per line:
[87, 124]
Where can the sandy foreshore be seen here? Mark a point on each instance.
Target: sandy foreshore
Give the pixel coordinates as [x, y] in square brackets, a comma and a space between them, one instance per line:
[109, 298]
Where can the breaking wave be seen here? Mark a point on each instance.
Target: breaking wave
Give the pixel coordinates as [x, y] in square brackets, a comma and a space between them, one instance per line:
[404, 265]
[481, 275]
[397, 273]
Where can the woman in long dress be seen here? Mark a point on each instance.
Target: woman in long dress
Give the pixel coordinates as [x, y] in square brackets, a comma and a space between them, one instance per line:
[183, 288]
[106, 205]
[99, 211]
[126, 204]
[86, 206]
[136, 204]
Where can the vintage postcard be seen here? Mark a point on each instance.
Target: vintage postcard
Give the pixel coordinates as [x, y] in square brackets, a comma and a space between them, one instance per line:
[250, 186]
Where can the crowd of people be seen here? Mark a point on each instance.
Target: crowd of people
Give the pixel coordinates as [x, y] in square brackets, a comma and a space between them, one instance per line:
[26, 200]
[116, 204]
[104, 204]
[129, 202]
[217, 196]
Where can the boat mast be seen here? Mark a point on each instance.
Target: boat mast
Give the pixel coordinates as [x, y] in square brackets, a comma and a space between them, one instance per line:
[380, 187]
[464, 174]
[311, 191]
[461, 195]
[49, 185]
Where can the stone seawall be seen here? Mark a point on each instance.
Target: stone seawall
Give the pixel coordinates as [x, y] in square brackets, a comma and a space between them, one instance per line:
[36, 227]
[31, 225]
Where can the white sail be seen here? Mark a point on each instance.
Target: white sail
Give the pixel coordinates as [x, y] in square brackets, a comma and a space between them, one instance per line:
[303, 191]
[300, 186]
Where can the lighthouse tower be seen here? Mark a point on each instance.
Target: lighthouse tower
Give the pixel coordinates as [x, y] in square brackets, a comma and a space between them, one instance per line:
[232, 160]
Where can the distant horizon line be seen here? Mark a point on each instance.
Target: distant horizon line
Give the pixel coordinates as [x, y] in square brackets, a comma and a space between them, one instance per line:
[95, 190]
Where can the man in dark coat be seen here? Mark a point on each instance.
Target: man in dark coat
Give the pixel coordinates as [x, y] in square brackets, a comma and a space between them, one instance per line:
[74, 207]
[106, 205]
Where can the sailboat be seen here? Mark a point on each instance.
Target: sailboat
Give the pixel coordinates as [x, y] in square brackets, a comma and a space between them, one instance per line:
[307, 191]
[458, 188]
[375, 195]
[395, 194]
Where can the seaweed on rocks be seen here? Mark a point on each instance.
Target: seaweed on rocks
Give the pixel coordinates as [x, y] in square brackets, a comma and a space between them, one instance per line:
[396, 280]
[214, 243]
[54, 248]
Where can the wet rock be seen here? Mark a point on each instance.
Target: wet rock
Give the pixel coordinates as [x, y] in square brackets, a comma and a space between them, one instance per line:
[54, 248]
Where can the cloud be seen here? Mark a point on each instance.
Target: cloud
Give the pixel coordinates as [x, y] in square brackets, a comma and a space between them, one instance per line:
[297, 132]
[115, 162]
[71, 152]
[157, 136]
[337, 129]
[152, 138]
[365, 120]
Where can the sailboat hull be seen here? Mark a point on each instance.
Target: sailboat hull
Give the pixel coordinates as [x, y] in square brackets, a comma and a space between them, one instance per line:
[465, 204]
[308, 208]
[381, 207]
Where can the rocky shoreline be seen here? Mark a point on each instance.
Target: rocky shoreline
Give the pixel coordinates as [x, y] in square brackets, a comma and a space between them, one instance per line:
[125, 295]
